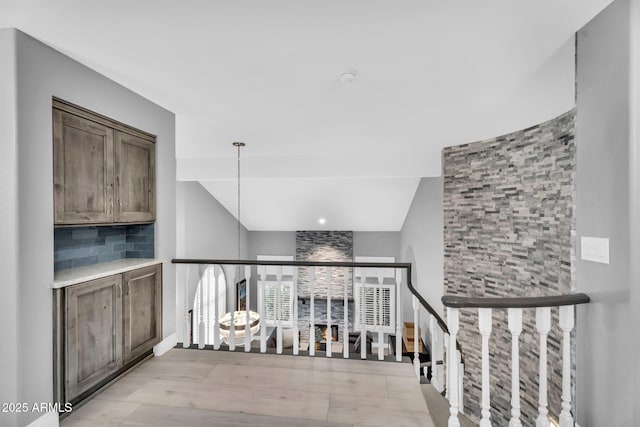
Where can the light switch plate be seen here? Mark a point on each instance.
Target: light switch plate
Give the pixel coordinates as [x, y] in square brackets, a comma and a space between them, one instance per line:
[594, 249]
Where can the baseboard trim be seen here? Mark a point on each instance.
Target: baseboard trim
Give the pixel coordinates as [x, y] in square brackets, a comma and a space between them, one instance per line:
[50, 419]
[165, 345]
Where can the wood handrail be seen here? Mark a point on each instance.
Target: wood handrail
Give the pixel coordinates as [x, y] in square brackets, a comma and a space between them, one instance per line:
[455, 301]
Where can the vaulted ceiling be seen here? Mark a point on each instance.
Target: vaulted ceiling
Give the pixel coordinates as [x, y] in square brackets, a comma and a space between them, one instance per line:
[429, 74]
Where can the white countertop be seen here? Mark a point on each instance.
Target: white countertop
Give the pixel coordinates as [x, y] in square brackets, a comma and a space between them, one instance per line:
[73, 276]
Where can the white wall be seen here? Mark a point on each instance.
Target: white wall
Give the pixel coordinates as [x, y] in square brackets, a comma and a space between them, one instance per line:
[422, 243]
[634, 158]
[606, 332]
[206, 230]
[8, 224]
[377, 243]
[42, 73]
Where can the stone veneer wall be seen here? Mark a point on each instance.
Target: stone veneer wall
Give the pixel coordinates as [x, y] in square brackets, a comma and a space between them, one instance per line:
[324, 246]
[508, 225]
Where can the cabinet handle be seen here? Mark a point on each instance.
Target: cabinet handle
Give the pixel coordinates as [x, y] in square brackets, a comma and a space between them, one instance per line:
[126, 289]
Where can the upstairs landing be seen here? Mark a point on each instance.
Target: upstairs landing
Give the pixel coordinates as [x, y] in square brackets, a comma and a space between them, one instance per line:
[204, 388]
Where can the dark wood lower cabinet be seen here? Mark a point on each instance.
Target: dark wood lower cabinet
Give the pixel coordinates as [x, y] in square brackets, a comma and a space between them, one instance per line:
[103, 327]
[93, 333]
[142, 311]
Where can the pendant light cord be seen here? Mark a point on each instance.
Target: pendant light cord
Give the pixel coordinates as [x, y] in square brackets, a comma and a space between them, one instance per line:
[239, 145]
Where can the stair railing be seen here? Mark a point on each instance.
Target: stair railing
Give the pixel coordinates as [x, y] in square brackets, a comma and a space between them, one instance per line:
[280, 279]
[514, 307]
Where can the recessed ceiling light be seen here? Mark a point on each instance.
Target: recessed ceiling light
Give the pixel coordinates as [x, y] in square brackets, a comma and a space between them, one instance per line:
[322, 221]
[348, 76]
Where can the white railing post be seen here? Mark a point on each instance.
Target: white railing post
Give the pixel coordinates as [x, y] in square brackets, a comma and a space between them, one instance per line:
[247, 326]
[296, 333]
[380, 316]
[312, 321]
[416, 337]
[460, 373]
[261, 308]
[186, 325]
[216, 317]
[543, 326]
[432, 340]
[484, 322]
[515, 327]
[345, 327]
[453, 366]
[278, 309]
[398, 316]
[329, 337]
[445, 361]
[567, 321]
[201, 328]
[363, 315]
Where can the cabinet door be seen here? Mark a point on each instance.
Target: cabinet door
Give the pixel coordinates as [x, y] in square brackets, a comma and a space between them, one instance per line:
[82, 170]
[142, 310]
[135, 173]
[93, 333]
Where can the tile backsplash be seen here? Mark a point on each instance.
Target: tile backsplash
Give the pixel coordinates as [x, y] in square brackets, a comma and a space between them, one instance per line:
[80, 246]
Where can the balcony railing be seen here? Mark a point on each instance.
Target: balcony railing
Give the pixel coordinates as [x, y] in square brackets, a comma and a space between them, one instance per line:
[514, 307]
[375, 290]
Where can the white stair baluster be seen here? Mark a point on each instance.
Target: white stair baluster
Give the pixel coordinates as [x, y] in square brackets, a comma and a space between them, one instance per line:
[207, 325]
[186, 330]
[329, 337]
[312, 319]
[232, 331]
[363, 314]
[278, 309]
[460, 384]
[567, 321]
[416, 337]
[261, 308]
[452, 366]
[515, 327]
[543, 326]
[296, 334]
[445, 361]
[484, 322]
[432, 341]
[345, 326]
[398, 316]
[201, 328]
[216, 312]
[380, 315]
[247, 325]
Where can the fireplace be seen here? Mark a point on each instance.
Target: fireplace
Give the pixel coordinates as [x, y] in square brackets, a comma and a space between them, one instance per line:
[321, 336]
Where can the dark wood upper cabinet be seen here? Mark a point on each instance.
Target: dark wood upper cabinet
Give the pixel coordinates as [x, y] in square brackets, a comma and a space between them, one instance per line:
[135, 178]
[103, 170]
[82, 170]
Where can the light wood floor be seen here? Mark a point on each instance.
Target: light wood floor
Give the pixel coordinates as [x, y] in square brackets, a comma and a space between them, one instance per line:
[217, 388]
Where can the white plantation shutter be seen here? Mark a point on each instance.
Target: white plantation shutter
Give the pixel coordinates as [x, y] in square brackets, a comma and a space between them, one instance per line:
[375, 306]
[276, 299]
[274, 306]
[375, 303]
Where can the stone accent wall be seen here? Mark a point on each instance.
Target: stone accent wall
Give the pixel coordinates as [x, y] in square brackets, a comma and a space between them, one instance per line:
[508, 224]
[324, 246]
[80, 246]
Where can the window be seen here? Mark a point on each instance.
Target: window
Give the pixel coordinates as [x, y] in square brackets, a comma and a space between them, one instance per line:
[212, 284]
[276, 298]
[375, 303]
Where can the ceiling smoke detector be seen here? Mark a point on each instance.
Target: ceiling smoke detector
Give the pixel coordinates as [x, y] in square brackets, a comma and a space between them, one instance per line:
[348, 76]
